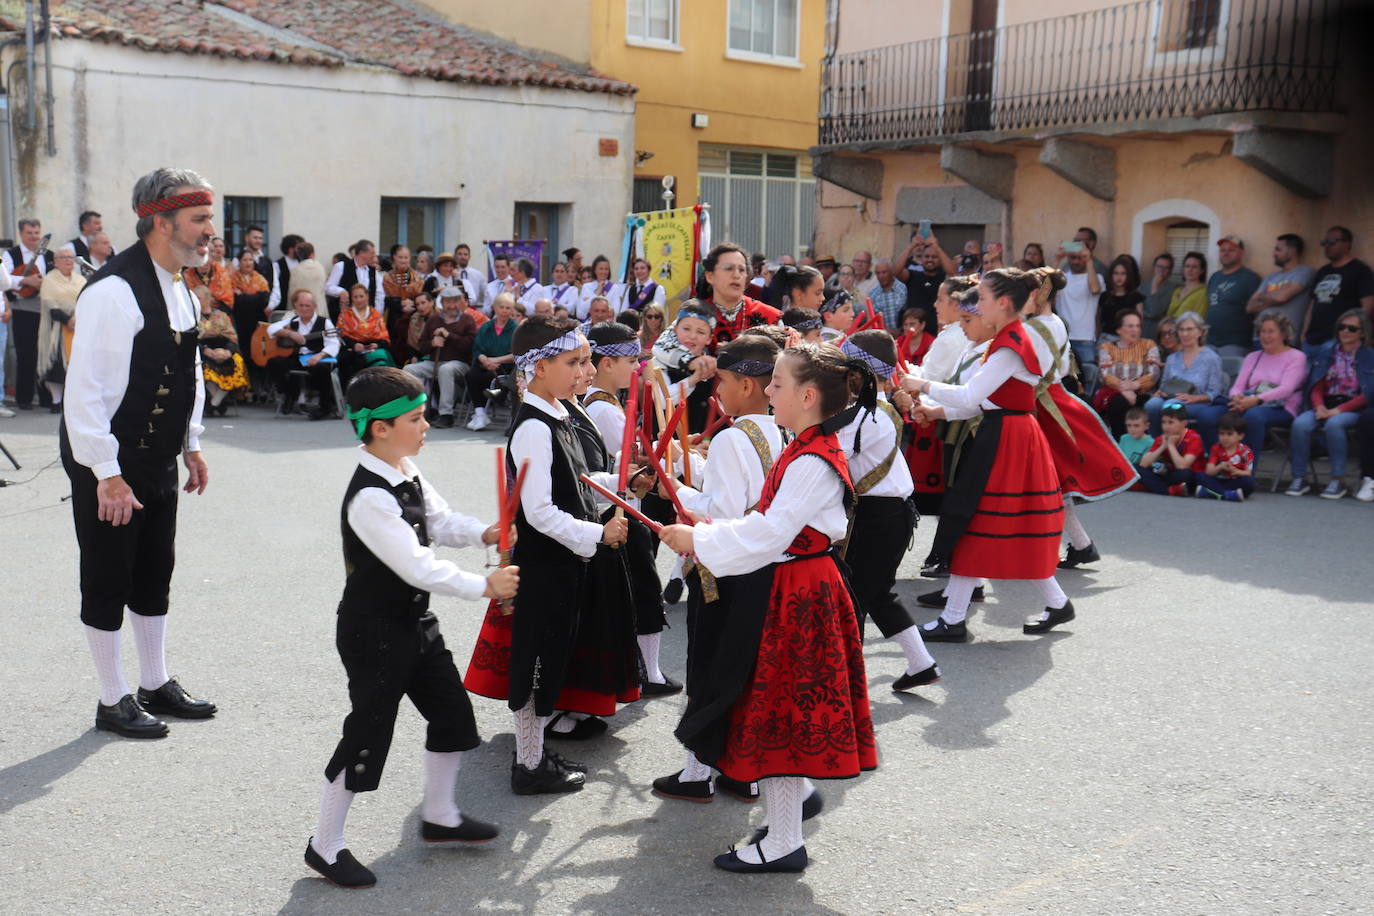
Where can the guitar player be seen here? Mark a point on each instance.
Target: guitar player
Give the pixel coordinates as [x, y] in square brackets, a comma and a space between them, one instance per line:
[315, 343]
[27, 263]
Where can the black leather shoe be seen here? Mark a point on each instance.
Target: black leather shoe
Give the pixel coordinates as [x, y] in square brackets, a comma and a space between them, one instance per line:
[672, 593]
[1073, 557]
[794, 861]
[744, 791]
[699, 791]
[129, 719]
[937, 598]
[813, 805]
[1056, 616]
[935, 569]
[546, 779]
[919, 679]
[667, 688]
[171, 699]
[319, 413]
[345, 872]
[471, 830]
[443, 421]
[564, 763]
[945, 632]
[584, 730]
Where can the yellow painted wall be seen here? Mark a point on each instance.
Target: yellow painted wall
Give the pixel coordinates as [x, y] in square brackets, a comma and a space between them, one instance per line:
[560, 28]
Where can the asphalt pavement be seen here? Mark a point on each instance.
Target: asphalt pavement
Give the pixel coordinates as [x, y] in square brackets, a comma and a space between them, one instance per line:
[1197, 741]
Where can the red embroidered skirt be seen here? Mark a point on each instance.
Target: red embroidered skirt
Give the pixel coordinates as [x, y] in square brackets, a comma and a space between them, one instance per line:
[925, 458]
[1087, 461]
[805, 711]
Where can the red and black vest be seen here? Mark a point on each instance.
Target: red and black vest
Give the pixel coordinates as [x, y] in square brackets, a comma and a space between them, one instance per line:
[826, 446]
[1015, 394]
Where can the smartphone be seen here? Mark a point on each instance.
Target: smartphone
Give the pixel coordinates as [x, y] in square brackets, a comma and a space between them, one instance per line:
[923, 229]
[1072, 247]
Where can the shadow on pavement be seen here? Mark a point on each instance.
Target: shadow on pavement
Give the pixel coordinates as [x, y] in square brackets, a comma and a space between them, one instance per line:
[33, 778]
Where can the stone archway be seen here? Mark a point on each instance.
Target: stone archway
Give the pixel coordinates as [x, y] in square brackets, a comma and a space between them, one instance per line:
[1150, 222]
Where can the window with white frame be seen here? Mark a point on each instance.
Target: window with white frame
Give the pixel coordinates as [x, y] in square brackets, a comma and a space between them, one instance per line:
[762, 200]
[651, 21]
[765, 28]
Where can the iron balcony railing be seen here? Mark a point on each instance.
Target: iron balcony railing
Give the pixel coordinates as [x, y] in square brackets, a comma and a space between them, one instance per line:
[1145, 60]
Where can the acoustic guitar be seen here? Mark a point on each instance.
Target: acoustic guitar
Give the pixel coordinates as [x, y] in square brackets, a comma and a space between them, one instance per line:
[264, 347]
[31, 270]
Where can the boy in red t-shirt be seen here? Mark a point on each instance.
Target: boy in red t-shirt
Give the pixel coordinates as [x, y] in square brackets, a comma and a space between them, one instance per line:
[1231, 465]
[1171, 463]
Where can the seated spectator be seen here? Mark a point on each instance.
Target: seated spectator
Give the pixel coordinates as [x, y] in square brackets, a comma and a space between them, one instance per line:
[806, 322]
[844, 279]
[1135, 441]
[630, 318]
[1339, 385]
[1228, 293]
[221, 362]
[1191, 296]
[914, 341]
[366, 341]
[1288, 289]
[315, 341]
[57, 321]
[1170, 464]
[446, 352]
[413, 343]
[837, 315]
[493, 359]
[1130, 368]
[1268, 388]
[214, 280]
[1192, 376]
[1122, 292]
[1166, 336]
[1159, 292]
[543, 307]
[559, 311]
[650, 327]
[1230, 470]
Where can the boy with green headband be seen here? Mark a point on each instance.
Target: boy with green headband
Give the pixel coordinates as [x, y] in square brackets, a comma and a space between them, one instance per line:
[388, 638]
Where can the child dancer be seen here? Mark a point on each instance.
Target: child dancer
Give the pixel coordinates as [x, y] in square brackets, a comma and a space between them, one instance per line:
[1230, 467]
[388, 638]
[806, 322]
[884, 517]
[523, 657]
[837, 314]
[790, 665]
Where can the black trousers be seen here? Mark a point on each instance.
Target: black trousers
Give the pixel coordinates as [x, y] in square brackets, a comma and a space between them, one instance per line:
[24, 331]
[644, 582]
[129, 565]
[386, 659]
[1364, 436]
[879, 540]
[280, 369]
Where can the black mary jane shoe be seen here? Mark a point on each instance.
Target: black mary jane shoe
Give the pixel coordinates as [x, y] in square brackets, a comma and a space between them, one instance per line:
[1074, 557]
[935, 568]
[584, 730]
[744, 791]
[571, 766]
[937, 599]
[649, 689]
[129, 719]
[345, 872]
[1056, 616]
[794, 861]
[470, 830]
[919, 679]
[699, 791]
[548, 778]
[672, 592]
[171, 699]
[812, 805]
[944, 631]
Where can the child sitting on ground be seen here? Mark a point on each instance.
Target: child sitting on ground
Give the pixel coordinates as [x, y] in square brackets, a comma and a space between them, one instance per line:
[1135, 441]
[1170, 464]
[1231, 465]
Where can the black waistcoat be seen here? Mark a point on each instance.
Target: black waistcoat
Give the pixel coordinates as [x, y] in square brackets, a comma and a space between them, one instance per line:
[17, 259]
[349, 277]
[568, 492]
[283, 279]
[593, 446]
[370, 587]
[315, 328]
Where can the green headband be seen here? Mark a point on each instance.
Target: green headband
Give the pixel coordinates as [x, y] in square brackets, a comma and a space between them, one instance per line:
[388, 411]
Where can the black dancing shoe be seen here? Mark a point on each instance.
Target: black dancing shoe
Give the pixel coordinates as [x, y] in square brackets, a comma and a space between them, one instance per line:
[937, 598]
[794, 861]
[129, 719]
[1056, 616]
[560, 761]
[471, 830]
[936, 569]
[944, 631]
[345, 872]
[1075, 557]
[171, 699]
[584, 730]
[919, 679]
[699, 791]
[813, 805]
[744, 791]
[672, 592]
[546, 779]
[669, 687]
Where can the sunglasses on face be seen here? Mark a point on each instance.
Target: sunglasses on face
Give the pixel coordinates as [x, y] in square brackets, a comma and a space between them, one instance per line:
[1331, 241]
[1352, 328]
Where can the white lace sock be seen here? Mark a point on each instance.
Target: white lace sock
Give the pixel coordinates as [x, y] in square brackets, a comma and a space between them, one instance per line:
[695, 770]
[441, 780]
[958, 594]
[564, 722]
[529, 736]
[914, 647]
[648, 650]
[329, 832]
[1052, 594]
[782, 798]
[1078, 535]
[150, 635]
[109, 674]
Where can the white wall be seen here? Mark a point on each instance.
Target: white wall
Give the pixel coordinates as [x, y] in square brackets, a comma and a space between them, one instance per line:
[329, 142]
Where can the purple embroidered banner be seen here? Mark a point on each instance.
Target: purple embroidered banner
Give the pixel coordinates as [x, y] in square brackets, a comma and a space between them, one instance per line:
[512, 249]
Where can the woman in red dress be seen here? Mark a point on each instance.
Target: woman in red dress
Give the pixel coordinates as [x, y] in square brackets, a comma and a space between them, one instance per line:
[788, 698]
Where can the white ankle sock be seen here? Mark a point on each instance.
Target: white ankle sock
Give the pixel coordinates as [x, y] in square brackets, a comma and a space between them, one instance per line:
[108, 672]
[648, 650]
[914, 647]
[1052, 594]
[695, 770]
[958, 594]
[529, 736]
[1078, 535]
[150, 635]
[564, 722]
[329, 832]
[782, 797]
[441, 779]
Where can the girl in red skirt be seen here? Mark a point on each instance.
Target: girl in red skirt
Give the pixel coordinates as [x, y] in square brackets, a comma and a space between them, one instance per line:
[1005, 501]
[792, 665]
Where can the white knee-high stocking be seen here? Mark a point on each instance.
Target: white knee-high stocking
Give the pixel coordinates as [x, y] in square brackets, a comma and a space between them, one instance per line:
[441, 780]
[914, 647]
[958, 594]
[529, 736]
[108, 673]
[329, 832]
[1052, 594]
[648, 650]
[782, 798]
[1073, 527]
[150, 635]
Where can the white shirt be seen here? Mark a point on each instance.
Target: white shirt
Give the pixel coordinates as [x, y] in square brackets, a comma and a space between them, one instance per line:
[494, 289]
[630, 292]
[1060, 357]
[610, 289]
[375, 517]
[333, 288]
[810, 494]
[943, 356]
[476, 286]
[98, 374]
[732, 478]
[27, 254]
[962, 372]
[330, 346]
[1077, 305]
[986, 378]
[528, 293]
[566, 295]
[879, 438]
[533, 440]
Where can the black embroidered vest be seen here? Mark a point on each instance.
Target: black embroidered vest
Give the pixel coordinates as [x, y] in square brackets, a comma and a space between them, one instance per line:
[370, 586]
[568, 492]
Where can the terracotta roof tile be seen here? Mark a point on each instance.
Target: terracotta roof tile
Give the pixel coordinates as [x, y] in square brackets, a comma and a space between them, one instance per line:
[372, 32]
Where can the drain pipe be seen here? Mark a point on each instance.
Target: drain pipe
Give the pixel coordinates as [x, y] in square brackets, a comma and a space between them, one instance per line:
[29, 72]
[47, 77]
[7, 161]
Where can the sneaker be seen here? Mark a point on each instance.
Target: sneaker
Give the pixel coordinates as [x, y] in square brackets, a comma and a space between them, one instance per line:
[1364, 495]
[1234, 496]
[1205, 493]
[7, 413]
[1179, 489]
[479, 420]
[1299, 487]
[1334, 490]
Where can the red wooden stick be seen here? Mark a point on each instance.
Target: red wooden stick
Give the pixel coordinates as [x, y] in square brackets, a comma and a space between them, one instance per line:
[513, 504]
[668, 430]
[668, 482]
[631, 424]
[502, 503]
[652, 525]
[721, 422]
